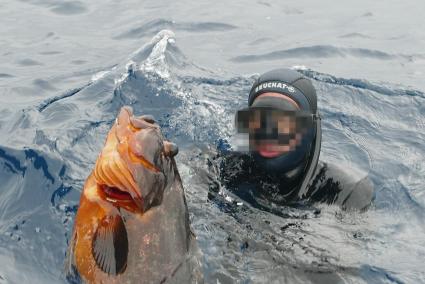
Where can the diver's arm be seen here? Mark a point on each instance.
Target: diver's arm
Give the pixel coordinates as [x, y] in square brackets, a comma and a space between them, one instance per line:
[226, 169]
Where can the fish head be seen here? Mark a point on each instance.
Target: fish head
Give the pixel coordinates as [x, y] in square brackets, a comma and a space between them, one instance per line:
[136, 164]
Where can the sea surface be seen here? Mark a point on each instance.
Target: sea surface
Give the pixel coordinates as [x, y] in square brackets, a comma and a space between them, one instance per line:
[66, 68]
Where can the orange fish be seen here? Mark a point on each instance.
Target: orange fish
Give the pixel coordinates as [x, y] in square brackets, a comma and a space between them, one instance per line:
[132, 225]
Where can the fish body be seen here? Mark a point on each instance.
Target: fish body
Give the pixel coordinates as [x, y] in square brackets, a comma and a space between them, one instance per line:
[132, 225]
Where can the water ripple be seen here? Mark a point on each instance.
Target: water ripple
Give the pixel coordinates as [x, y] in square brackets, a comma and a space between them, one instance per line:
[324, 51]
[154, 26]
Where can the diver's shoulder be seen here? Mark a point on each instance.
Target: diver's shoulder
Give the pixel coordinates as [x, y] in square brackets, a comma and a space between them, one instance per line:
[355, 188]
[342, 172]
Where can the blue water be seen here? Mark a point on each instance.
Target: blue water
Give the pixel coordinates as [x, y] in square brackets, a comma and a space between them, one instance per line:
[68, 66]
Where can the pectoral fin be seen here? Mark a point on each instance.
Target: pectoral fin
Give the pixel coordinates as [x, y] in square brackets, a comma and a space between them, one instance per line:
[110, 245]
[70, 271]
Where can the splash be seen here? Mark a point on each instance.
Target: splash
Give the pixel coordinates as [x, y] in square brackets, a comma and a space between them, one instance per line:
[156, 61]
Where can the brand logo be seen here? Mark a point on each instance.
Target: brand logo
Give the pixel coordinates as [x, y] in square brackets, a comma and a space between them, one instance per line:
[275, 85]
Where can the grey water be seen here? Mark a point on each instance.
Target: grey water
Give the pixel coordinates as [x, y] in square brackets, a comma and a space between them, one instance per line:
[66, 67]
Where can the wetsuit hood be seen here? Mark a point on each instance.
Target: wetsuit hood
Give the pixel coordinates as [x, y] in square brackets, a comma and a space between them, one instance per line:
[294, 85]
[288, 82]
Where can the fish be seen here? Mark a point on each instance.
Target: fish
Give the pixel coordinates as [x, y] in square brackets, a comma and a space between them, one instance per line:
[132, 224]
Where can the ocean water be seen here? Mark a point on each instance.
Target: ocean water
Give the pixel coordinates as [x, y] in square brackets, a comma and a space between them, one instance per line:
[66, 68]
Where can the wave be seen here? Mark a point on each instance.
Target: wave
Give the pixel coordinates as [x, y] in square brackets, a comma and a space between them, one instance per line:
[324, 51]
[361, 84]
[60, 7]
[35, 214]
[152, 27]
[5, 75]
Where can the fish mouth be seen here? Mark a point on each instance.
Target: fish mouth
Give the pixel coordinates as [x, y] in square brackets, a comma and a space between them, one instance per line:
[115, 194]
[121, 198]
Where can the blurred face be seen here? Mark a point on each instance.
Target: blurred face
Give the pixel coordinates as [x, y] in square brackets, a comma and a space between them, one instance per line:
[273, 132]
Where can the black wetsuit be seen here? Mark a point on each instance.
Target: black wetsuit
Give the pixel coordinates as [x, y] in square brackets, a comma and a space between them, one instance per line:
[329, 184]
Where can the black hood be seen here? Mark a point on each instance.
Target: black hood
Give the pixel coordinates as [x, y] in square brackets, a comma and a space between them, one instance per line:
[288, 82]
[299, 88]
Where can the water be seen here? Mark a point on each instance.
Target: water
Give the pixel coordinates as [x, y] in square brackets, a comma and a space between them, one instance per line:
[68, 66]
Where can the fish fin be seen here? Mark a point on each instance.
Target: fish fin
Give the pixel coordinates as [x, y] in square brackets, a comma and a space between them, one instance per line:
[70, 271]
[110, 245]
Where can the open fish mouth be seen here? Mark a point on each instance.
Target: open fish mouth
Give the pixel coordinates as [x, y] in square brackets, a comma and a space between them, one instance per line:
[120, 198]
[114, 194]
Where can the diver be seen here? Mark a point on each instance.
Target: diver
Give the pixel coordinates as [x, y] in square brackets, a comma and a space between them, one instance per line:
[276, 158]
